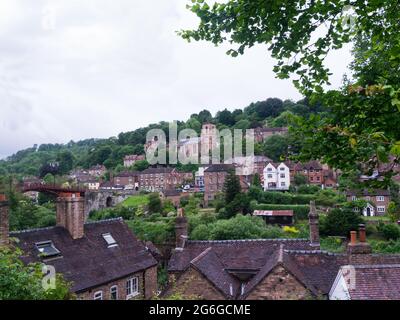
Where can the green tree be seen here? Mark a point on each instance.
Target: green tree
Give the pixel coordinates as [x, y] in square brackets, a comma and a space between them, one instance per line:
[231, 187]
[340, 222]
[296, 38]
[256, 180]
[66, 161]
[276, 147]
[24, 282]
[155, 204]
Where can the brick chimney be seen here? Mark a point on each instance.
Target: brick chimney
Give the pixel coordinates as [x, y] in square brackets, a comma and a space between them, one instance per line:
[361, 247]
[314, 225]
[71, 213]
[4, 221]
[181, 229]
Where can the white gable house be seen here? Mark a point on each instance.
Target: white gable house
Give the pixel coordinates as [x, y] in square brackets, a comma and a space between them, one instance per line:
[276, 177]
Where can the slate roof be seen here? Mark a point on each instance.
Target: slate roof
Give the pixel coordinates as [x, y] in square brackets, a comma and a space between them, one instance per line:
[157, 170]
[220, 167]
[366, 192]
[88, 262]
[221, 262]
[378, 282]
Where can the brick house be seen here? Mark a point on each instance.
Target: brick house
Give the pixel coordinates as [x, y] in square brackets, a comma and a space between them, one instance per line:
[128, 180]
[315, 173]
[97, 171]
[377, 201]
[163, 178]
[173, 195]
[214, 179]
[102, 260]
[260, 134]
[130, 160]
[269, 269]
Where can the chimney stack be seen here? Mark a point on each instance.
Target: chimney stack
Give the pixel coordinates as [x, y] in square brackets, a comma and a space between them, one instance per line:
[71, 213]
[361, 247]
[181, 229]
[4, 221]
[314, 225]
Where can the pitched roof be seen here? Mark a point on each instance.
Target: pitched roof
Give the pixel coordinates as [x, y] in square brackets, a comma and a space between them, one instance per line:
[89, 262]
[366, 192]
[157, 170]
[220, 168]
[377, 282]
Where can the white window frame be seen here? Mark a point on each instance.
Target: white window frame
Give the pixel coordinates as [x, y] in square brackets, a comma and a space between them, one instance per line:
[130, 288]
[98, 293]
[380, 198]
[116, 292]
[381, 209]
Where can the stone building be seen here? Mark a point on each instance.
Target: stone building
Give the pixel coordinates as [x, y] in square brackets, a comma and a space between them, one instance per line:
[163, 178]
[102, 260]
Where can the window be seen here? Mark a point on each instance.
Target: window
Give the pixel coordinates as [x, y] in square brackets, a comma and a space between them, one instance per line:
[132, 287]
[282, 169]
[283, 184]
[283, 175]
[114, 293]
[380, 198]
[381, 209]
[270, 176]
[47, 249]
[110, 240]
[353, 198]
[269, 169]
[98, 295]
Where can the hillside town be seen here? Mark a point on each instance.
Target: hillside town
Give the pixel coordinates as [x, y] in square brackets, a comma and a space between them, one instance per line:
[194, 159]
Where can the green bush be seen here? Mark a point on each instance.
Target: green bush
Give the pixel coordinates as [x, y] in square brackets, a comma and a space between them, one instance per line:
[339, 222]
[300, 211]
[389, 231]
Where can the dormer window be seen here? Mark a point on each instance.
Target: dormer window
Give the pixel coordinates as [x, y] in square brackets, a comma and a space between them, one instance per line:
[47, 249]
[110, 240]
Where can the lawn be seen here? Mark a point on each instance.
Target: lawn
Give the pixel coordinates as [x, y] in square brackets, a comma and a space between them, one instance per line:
[136, 201]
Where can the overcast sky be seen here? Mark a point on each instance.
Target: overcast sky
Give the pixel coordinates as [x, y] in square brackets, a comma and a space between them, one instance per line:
[76, 69]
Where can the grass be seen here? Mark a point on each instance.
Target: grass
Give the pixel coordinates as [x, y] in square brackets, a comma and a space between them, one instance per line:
[383, 219]
[136, 201]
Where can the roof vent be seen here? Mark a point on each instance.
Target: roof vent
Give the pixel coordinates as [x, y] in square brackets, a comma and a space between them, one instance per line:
[47, 249]
[110, 240]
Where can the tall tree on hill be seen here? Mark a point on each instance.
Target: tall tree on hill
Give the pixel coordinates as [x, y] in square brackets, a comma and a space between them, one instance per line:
[231, 187]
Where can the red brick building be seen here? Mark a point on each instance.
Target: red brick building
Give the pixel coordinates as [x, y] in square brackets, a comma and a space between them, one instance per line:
[315, 173]
[377, 201]
[163, 178]
[214, 179]
[102, 260]
[127, 179]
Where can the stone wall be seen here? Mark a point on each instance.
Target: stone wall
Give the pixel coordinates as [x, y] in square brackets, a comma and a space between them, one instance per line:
[193, 285]
[279, 285]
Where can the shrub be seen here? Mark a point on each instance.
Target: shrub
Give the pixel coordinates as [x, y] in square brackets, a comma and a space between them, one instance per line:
[389, 231]
[340, 222]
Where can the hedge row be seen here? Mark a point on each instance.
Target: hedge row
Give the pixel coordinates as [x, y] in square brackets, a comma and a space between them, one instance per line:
[287, 198]
[300, 211]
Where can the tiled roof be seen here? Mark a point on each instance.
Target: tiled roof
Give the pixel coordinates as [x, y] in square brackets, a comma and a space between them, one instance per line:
[157, 170]
[378, 282]
[88, 262]
[366, 192]
[220, 168]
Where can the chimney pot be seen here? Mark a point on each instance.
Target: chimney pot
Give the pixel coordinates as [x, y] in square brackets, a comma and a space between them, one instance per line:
[362, 233]
[353, 238]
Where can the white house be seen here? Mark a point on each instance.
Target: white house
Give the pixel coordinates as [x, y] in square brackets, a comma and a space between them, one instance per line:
[276, 177]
